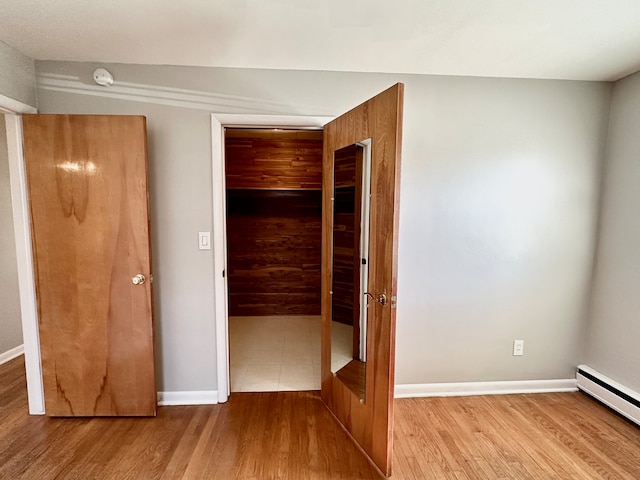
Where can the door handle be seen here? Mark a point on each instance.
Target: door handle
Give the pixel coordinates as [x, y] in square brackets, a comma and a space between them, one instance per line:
[138, 279]
[381, 298]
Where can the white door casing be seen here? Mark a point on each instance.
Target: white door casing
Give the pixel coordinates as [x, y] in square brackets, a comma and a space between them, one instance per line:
[24, 255]
[218, 123]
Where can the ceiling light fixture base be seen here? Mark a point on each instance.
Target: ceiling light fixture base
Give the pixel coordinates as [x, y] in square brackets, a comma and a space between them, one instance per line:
[102, 77]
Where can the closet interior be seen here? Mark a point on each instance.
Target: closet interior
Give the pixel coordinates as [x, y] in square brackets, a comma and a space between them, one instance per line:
[274, 215]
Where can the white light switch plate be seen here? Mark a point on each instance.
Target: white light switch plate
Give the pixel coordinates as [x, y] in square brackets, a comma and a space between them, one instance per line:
[204, 240]
[518, 348]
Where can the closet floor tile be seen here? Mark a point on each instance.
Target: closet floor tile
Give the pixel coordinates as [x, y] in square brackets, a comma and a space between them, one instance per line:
[275, 353]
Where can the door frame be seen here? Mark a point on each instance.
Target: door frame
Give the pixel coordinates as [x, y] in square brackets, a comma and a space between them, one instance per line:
[220, 121]
[12, 109]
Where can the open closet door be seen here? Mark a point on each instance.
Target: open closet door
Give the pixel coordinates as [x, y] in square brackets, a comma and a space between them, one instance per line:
[361, 178]
[87, 181]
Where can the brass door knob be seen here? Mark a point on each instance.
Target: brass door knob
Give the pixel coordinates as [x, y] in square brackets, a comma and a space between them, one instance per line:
[138, 279]
[381, 298]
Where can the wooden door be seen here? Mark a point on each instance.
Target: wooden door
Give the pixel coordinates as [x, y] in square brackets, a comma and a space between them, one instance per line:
[369, 421]
[87, 183]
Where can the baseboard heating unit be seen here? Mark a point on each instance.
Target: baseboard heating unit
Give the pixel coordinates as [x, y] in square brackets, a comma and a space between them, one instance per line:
[616, 396]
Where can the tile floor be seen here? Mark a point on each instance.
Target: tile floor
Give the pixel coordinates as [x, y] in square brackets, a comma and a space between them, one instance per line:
[282, 353]
[277, 353]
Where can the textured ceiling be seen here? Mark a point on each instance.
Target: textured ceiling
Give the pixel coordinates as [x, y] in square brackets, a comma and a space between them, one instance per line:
[561, 39]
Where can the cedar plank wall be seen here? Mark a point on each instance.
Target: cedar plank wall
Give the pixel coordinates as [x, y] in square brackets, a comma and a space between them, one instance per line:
[274, 221]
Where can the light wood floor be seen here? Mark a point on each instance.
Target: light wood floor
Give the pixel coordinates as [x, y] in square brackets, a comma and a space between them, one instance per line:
[290, 435]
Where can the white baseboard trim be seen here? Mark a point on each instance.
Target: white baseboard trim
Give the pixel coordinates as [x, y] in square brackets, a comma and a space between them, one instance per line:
[202, 397]
[11, 354]
[484, 388]
[613, 394]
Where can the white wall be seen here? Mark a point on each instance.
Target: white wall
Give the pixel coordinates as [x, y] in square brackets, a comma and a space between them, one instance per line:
[10, 322]
[498, 207]
[17, 72]
[615, 323]
[498, 218]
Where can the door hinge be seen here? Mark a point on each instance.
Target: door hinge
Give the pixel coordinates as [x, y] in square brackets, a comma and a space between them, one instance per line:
[222, 273]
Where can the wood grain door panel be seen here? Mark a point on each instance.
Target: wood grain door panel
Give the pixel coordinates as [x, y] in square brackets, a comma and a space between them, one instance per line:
[370, 423]
[87, 182]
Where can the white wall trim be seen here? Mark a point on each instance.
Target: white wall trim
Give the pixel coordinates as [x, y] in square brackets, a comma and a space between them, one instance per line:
[166, 399]
[24, 256]
[218, 123]
[22, 233]
[161, 95]
[220, 259]
[484, 388]
[11, 354]
[9, 105]
[271, 121]
[615, 402]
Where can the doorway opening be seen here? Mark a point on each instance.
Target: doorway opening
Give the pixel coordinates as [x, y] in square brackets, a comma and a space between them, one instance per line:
[273, 196]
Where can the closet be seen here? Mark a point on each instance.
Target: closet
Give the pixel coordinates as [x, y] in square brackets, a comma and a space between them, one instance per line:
[274, 216]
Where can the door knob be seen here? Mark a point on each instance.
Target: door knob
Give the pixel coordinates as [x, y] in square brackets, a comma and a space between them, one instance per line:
[381, 298]
[138, 279]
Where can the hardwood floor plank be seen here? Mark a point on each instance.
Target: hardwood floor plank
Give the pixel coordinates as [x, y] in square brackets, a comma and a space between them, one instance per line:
[525, 436]
[291, 435]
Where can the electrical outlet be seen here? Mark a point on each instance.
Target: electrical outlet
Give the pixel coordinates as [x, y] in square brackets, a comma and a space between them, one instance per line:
[518, 348]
